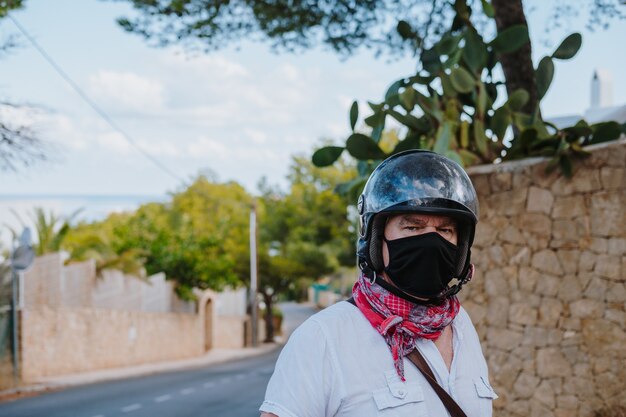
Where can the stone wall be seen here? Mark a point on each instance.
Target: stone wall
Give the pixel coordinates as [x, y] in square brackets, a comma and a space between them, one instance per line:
[57, 341]
[549, 295]
[51, 283]
[73, 321]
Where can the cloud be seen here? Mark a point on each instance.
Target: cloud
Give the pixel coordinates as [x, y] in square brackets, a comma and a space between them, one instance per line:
[204, 147]
[113, 141]
[256, 136]
[126, 90]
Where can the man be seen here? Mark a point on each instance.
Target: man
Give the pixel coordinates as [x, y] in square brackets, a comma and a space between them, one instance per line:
[418, 214]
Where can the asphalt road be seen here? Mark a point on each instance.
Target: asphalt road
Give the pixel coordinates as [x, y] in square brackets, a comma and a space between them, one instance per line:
[233, 389]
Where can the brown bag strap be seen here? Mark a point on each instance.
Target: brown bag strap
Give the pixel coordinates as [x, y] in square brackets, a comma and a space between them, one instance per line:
[418, 360]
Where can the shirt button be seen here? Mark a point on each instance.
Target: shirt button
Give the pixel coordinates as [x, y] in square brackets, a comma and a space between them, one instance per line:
[401, 393]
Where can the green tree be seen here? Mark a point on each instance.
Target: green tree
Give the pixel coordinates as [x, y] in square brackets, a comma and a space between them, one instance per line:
[51, 229]
[195, 238]
[19, 145]
[304, 233]
[346, 26]
[96, 241]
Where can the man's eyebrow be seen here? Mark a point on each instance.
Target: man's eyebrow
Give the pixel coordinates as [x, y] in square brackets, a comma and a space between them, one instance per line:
[408, 219]
[448, 223]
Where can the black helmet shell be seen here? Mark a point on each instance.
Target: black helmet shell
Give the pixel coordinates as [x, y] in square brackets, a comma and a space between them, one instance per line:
[416, 181]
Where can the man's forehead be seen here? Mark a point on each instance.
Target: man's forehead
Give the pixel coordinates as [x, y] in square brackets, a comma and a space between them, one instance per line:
[419, 218]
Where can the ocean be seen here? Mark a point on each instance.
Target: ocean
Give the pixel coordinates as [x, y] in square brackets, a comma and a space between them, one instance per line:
[15, 209]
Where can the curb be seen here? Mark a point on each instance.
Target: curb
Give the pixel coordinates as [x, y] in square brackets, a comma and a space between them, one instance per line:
[213, 357]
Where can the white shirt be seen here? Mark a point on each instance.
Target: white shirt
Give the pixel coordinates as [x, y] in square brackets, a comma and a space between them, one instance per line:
[337, 364]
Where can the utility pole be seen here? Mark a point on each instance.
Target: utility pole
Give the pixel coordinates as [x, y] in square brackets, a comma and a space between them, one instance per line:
[253, 276]
[21, 258]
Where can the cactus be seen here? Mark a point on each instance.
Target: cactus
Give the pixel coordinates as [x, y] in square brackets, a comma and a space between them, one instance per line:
[448, 106]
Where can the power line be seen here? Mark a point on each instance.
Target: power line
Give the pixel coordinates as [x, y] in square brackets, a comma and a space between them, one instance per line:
[90, 102]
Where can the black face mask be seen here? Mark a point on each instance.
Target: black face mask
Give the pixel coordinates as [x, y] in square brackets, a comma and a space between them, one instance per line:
[421, 265]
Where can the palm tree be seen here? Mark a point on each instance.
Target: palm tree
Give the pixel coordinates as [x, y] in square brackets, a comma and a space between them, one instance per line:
[51, 229]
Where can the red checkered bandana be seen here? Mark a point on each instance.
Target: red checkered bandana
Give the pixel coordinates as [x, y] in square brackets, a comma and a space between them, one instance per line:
[399, 321]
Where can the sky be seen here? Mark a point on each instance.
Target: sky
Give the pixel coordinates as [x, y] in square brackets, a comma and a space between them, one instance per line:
[240, 113]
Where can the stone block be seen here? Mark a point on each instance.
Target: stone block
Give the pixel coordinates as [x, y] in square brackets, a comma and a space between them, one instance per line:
[611, 385]
[616, 155]
[616, 316]
[521, 313]
[583, 370]
[586, 308]
[596, 289]
[481, 185]
[613, 178]
[535, 337]
[528, 278]
[617, 246]
[547, 261]
[519, 408]
[609, 223]
[525, 385]
[496, 283]
[512, 234]
[509, 203]
[536, 242]
[569, 260]
[550, 312]
[567, 402]
[525, 354]
[607, 201]
[548, 285]
[536, 223]
[518, 255]
[476, 311]
[584, 278]
[573, 354]
[569, 289]
[532, 300]
[522, 179]
[539, 200]
[609, 266]
[508, 372]
[496, 255]
[616, 293]
[545, 395]
[569, 207]
[503, 339]
[601, 364]
[500, 181]
[562, 186]
[552, 363]
[587, 180]
[498, 312]
[587, 261]
[542, 179]
[485, 235]
[570, 230]
[539, 410]
[599, 245]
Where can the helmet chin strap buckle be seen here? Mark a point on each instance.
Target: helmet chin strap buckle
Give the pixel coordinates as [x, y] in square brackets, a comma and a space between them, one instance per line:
[454, 289]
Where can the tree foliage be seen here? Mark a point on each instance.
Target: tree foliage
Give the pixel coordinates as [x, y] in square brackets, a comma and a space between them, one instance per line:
[194, 239]
[19, 145]
[51, 229]
[342, 25]
[200, 237]
[454, 105]
[304, 233]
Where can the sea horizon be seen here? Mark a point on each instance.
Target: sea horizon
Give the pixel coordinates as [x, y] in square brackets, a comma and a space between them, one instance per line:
[16, 209]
